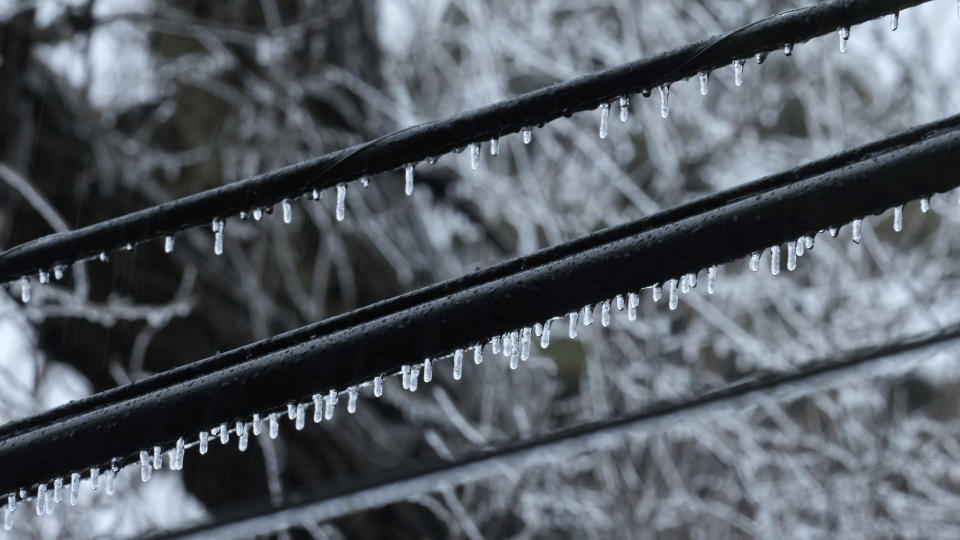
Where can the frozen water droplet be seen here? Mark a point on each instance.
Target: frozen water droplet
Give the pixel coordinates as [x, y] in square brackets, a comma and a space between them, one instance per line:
[925, 202]
[111, 481]
[646, 92]
[405, 376]
[711, 280]
[760, 57]
[457, 364]
[525, 344]
[657, 291]
[58, 490]
[834, 231]
[537, 329]
[572, 325]
[738, 71]
[478, 354]
[495, 344]
[527, 134]
[352, 393]
[168, 244]
[775, 260]
[244, 215]
[103, 256]
[44, 277]
[300, 417]
[317, 408]
[791, 256]
[94, 477]
[378, 386]
[58, 271]
[291, 411]
[545, 336]
[692, 280]
[898, 219]
[218, 225]
[684, 284]
[624, 108]
[664, 100]
[74, 488]
[801, 246]
[894, 20]
[24, 289]
[243, 437]
[414, 378]
[633, 301]
[788, 49]
[604, 119]
[474, 155]
[755, 261]
[674, 294]
[315, 193]
[857, 227]
[341, 201]
[157, 458]
[145, 470]
[808, 242]
[179, 453]
[495, 146]
[408, 179]
[704, 82]
[273, 425]
[511, 342]
[515, 358]
[621, 303]
[427, 370]
[329, 402]
[605, 313]
[41, 498]
[11, 502]
[257, 214]
[204, 442]
[587, 315]
[287, 207]
[8, 520]
[844, 37]
[224, 433]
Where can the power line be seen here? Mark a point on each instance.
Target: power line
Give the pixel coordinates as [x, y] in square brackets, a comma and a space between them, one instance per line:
[420, 142]
[356, 347]
[327, 503]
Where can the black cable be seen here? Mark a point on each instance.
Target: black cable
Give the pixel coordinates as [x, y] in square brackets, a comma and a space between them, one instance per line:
[420, 142]
[356, 347]
[347, 497]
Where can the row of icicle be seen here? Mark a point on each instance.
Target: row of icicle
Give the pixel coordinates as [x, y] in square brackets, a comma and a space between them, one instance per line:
[218, 224]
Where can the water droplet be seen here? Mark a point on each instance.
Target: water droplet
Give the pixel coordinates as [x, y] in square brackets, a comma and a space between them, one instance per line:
[808, 242]
[257, 214]
[94, 477]
[157, 458]
[43, 276]
[605, 313]
[620, 302]
[58, 490]
[341, 201]
[329, 402]
[352, 393]
[218, 225]
[664, 100]
[604, 119]
[495, 146]
[457, 364]
[646, 92]
[760, 57]
[74, 488]
[103, 256]
[179, 453]
[775, 260]
[925, 201]
[834, 231]
[657, 292]
[674, 294]
[898, 218]
[378, 386]
[145, 470]
[315, 193]
[527, 134]
[204, 442]
[572, 325]
[545, 336]
[711, 280]
[273, 426]
[788, 49]
[24, 289]
[287, 207]
[791, 256]
[427, 370]
[844, 37]
[58, 271]
[894, 20]
[474, 155]
[738, 71]
[633, 301]
[624, 108]
[41, 498]
[168, 244]
[857, 227]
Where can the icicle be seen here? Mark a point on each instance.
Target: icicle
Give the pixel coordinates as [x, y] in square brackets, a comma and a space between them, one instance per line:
[857, 226]
[800, 246]
[58, 490]
[287, 207]
[341, 201]
[291, 411]
[808, 242]
[738, 71]
[545, 336]
[657, 291]
[621, 303]
[674, 294]
[834, 231]
[317, 408]
[74, 488]
[495, 344]
[633, 301]
[537, 329]
[495, 146]
[775, 260]
[624, 108]
[44, 277]
[844, 36]
[704, 82]
[94, 477]
[224, 433]
[353, 392]
[157, 458]
[664, 100]
[511, 343]
[788, 49]
[478, 354]
[525, 344]
[178, 454]
[168, 244]
[515, 357]
[25, 289]
[405, 376]
[894, 20]
[604, 119]
[103, 256]
[925, 202]
[527, 134]
[378, 386]
[755, 261]
[329, 402]
[587, 315]
[711, 280]
[58, 271]
[427, 370]
[692, 279]
[791, 256]
[898, 218]
[112, 476]
[273, 426]
[457, 364]
[257, 214]
[218, 225]
[408, 179]
[145, 470]
[204, 442]
[243, 437]
[572, 326]
[300, 419]
[256, 424]
[685, 283]
[41, 498]
[605, 313]
[414, 378]
[474, 156]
